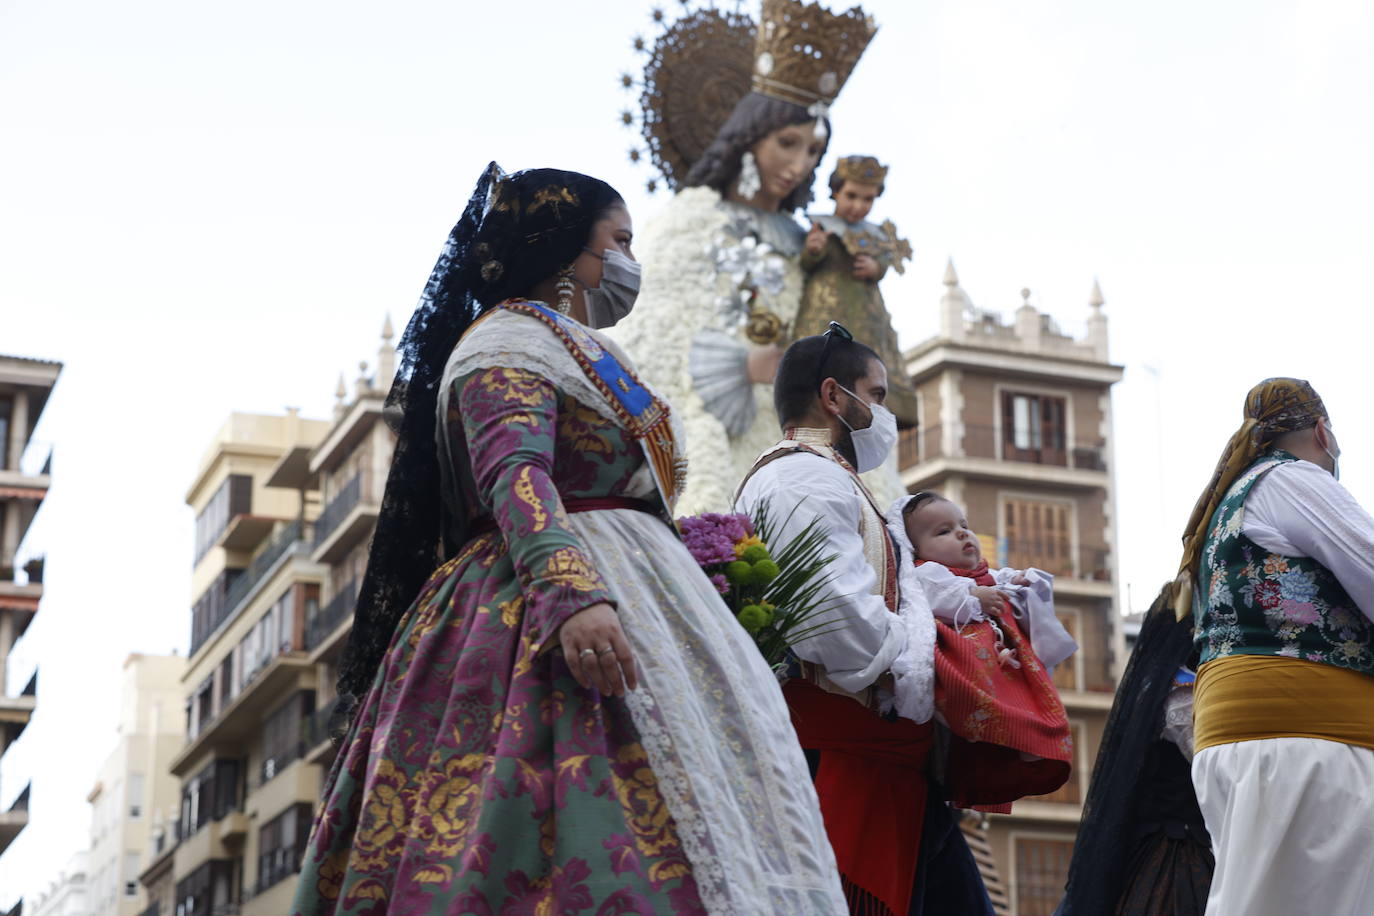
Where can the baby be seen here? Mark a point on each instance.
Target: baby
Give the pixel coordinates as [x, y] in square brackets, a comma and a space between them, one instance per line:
[1009, 734]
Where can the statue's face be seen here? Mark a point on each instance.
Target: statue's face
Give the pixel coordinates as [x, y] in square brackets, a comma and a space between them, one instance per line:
[786, 158]
[854, 200]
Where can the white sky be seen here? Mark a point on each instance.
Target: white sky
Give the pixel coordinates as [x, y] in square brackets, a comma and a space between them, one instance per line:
[210, 207]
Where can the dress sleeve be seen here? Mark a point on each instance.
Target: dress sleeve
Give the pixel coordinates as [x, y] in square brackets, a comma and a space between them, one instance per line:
[510, 421]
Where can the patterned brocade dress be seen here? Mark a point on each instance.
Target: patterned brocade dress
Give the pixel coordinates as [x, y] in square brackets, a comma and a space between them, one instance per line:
[478, 777]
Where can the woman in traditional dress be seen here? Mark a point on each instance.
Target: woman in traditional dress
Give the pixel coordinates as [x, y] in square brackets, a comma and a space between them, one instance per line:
[562, 716]
[724, 281]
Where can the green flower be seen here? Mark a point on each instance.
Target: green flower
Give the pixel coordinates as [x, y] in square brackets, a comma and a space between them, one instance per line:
[755, 553]
[738, 572]
[753, 618]
[763, 572]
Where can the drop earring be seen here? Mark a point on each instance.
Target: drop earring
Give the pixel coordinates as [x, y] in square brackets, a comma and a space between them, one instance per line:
[749, 180]
[564, 286]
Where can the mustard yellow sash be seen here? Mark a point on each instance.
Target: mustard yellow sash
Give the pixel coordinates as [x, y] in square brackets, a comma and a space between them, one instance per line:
[1246, 697]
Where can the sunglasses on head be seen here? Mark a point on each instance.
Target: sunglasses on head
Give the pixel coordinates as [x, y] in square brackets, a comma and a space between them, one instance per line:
[834, 331]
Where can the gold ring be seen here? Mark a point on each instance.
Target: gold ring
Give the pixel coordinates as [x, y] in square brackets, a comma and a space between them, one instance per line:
[587, 652]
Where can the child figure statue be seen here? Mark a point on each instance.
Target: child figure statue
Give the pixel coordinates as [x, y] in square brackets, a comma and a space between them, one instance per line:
[844, 259]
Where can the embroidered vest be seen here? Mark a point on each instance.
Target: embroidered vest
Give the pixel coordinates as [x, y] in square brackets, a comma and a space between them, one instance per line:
[1253, 602]
[879, 550]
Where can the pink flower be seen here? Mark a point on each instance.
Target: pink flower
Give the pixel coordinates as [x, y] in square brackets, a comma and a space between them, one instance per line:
[1303, 613]
[721, 584]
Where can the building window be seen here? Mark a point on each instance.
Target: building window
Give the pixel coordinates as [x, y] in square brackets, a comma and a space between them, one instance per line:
[131, 869]
[1066, 673]
[283, 733]
[208, 890]
[1038, 534]
[135, 794]
[6, 406]
[209, 796]
[281, 842]
[211, 608]
[1033, 428]
[233, 498]
[1042, 869]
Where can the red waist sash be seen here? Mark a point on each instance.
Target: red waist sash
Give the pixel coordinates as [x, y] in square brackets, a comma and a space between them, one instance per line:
[872, 789]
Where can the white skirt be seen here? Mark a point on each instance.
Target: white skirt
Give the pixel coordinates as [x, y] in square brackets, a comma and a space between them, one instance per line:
[1292, 825]
[715, 728]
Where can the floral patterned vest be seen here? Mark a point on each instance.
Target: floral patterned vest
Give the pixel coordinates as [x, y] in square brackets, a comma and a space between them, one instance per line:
[1253, 602]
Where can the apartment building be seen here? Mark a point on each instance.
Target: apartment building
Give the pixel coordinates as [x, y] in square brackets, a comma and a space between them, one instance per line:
[68, 894]
[1015, 424]
[285, 509]
[349, 467]
[25, 476]
[134, 786]
[245, 799]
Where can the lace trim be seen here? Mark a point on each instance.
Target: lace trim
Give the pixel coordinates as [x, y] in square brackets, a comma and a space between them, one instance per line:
[914, 667]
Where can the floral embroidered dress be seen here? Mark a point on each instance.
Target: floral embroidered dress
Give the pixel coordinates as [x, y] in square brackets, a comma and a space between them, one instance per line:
[478, 777]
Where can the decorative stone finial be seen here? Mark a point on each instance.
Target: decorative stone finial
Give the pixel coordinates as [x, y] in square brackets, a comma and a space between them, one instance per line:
[951, 278]
[387, 333]
[1025, 296]
[1096, 300]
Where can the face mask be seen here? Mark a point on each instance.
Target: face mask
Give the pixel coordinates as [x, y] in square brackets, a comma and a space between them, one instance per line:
[615, 297]
[873, 444]
[1335, 458]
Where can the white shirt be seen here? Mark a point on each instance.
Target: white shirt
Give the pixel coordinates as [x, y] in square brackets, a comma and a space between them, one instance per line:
[868, 636]
[1300, 510]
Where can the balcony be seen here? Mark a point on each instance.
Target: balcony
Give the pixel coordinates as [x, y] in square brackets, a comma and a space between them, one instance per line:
[237, 724]
[926, 457]
[319, 744]
[14, 820]
[240, 585]
[1091, 564]
[327, 628]
[350, 516]
[33, 474]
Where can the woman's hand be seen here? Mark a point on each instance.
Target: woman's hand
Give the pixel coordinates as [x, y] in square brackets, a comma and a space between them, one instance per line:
[990, 598]
[865, 267]
[597, 652]
[762, 363]
[815, 239]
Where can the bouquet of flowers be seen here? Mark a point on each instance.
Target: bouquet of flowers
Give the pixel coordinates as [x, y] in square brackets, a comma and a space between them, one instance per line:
[775, 590]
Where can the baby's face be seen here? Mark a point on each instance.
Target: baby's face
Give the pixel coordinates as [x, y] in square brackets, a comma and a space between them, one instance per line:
[940, 533]
[854, 200]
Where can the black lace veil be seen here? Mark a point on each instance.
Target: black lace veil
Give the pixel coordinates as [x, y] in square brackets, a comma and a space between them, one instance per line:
[516, 231]
[1108, 832]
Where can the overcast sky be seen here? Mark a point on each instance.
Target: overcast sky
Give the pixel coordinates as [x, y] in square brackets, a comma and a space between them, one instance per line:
[206, 208]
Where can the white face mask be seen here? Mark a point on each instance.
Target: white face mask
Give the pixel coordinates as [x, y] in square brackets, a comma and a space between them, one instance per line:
[615, 297]
[1335, 458]
[873, 444]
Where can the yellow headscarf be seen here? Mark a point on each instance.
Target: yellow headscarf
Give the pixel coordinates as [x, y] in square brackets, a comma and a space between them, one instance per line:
[1273, 407]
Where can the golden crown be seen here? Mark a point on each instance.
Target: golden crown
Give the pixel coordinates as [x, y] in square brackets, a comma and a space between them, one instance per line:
[861, 169]
[804, 53]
